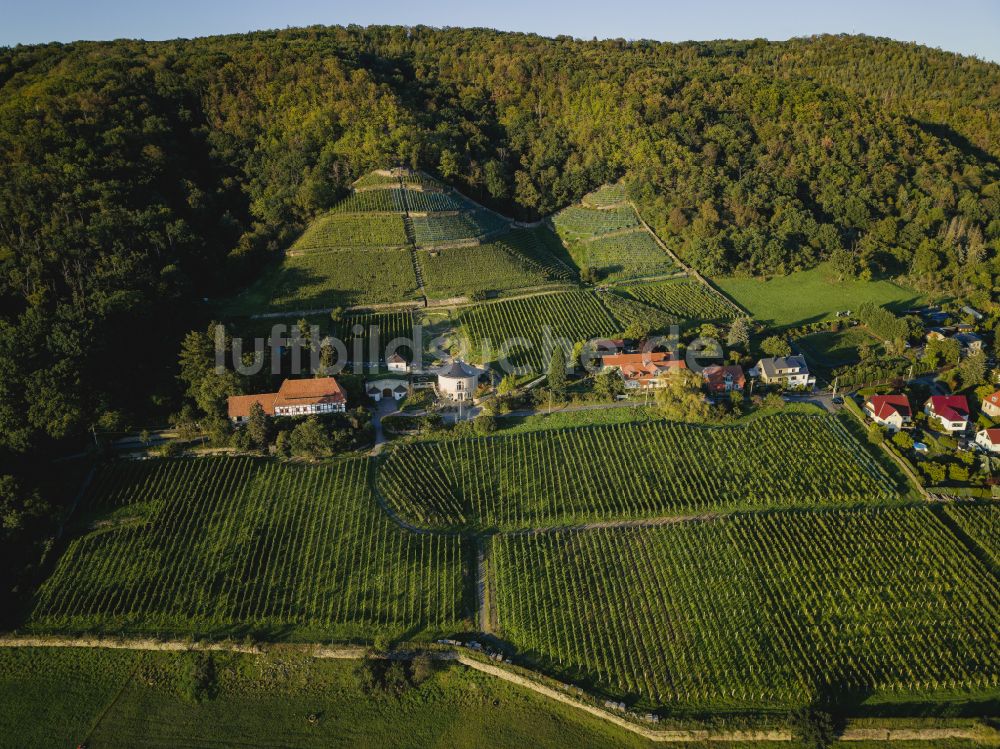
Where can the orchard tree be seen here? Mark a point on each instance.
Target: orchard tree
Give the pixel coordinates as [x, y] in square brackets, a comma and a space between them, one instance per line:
[775, 346]
[679, 396]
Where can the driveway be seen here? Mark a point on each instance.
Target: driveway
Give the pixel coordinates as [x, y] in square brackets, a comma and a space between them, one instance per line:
[382, 409]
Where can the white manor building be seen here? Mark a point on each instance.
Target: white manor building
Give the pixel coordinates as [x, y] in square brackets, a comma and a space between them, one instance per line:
[304, 397]
[458, 381]
[787, 371]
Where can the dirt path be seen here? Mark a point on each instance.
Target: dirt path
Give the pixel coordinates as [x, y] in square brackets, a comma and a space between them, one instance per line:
[356, 652]
[483, 590]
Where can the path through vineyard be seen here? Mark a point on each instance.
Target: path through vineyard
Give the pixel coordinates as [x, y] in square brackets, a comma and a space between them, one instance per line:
[895, 732]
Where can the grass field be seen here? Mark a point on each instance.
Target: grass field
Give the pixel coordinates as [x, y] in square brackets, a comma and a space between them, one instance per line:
[573, 315]
[336, 278]
[119, 699]
[808, 296]
[763, 609]
[232, 546]
[625, 471]
[835, 349]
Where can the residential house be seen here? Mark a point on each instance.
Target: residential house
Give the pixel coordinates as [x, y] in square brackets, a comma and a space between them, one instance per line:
[294, 398]
[952, 410]
[890, 411]
[723, 379]
[970, 343]
[787, 371]
[458, 381]
[989, 440]
[642, 371]
[991, 405]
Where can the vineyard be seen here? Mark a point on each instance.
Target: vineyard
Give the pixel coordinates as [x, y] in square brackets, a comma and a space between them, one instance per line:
[349, 230]
[573, 316]
[616, 257]
[338, 278]
[686, 299]
[498, 265]
[762, 609]
[605, 196]
[376, 201]
[982, 525]
[627, 310]
[435, 228]
[577, 223]
[232, 545]
[429, 202]
[378, 329]
[664, 468]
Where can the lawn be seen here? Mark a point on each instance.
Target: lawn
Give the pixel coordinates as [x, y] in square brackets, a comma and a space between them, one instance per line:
[808, 296]
[56, 697]
[830, 349]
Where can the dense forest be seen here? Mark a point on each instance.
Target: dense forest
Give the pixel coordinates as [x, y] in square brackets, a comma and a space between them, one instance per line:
[141, 178]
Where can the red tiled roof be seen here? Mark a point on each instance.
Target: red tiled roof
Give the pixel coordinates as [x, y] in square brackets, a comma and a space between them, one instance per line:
[239, 405]
[993, 435]
[715, 376]
[643, 367]
[950, 407]
[993, 400]
[309, 392]
[883, 406]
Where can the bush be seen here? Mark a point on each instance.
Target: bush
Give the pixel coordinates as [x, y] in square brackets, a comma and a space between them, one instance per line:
[903, 441]
[197, 678]
[812, 728]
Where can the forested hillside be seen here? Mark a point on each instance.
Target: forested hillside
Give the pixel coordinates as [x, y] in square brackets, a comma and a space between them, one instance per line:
[139, 178]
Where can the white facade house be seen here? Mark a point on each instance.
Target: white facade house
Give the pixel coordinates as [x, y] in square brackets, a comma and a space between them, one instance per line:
[458, 381]
[991, 405]
[989, 440]
[787, 371]
[951, 410]
[396, 363]
[889, 411]
[387, 387]
[305, 397]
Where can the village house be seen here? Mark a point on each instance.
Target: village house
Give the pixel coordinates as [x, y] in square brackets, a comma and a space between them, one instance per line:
[951, 410]
[970, 343]
[989, 440]
[458, 381]
[724, 379]
[396, 363]
[643, 370]
[991, 405]
[294, 398]
[890, 411]
[787, 371]
[387, 387]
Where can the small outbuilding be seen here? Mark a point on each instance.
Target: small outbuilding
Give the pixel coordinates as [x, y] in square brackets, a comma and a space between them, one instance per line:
[388, 387]
[396, 363]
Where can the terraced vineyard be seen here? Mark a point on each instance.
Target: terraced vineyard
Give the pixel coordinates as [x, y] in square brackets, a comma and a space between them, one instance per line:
[687, 299]
[337, 278]
[606, 195]
[348, 230]
[435, 228]
[577, 223]
[762, 609]
[231, 545]
[616, 257]
[566, 476]
[427, 202]
[515, 260]
[627, 310]
[573, 315]
[377, 201]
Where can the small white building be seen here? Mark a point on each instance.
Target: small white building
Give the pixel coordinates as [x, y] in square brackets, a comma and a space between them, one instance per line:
[387, 387]
[989, 440]
[787, 371]
[396, 363]
[458, 381]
